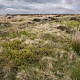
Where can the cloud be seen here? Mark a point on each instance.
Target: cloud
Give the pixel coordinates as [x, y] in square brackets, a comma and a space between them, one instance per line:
[39, 6]
[43, 1]
[2, 7]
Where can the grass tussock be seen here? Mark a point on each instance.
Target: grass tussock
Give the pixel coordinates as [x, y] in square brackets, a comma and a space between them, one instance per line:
[75, 71]
[76, 43]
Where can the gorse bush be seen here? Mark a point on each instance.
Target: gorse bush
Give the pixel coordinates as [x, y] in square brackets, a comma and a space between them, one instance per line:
[76, 43]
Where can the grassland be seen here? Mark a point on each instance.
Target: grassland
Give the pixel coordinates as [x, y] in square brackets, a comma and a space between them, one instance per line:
[40, 47]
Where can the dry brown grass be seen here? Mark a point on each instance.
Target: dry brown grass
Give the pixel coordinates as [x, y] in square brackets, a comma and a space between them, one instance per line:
[76, 43]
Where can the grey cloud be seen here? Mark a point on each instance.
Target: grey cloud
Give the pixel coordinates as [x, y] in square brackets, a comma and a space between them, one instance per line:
[42, 1]
[39, 6]
[2, 7]
[68, 1]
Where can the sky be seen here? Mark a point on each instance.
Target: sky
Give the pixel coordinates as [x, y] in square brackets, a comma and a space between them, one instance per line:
[39, 6]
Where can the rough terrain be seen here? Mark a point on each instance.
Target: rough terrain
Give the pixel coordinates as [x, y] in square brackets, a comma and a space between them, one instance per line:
[39, 47]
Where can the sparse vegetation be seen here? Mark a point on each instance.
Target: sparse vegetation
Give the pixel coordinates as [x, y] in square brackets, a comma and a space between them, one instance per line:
[42, 50]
